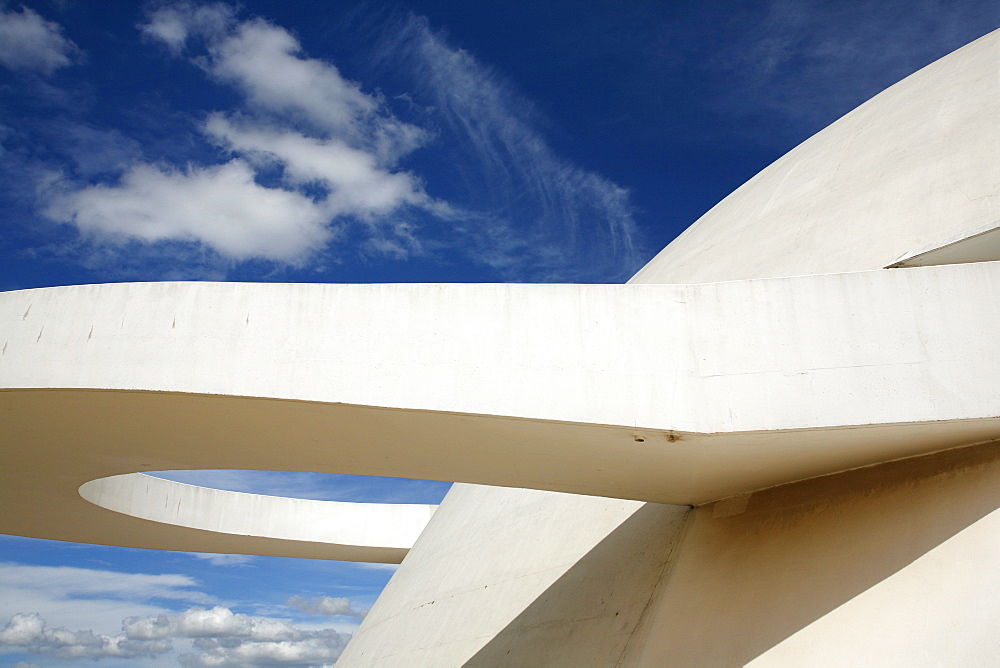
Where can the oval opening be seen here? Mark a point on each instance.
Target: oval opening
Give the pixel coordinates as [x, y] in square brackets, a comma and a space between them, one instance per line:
[307, 523]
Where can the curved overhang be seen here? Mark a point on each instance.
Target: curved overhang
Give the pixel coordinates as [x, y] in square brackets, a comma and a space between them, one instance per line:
[667, 393]
[979, 244]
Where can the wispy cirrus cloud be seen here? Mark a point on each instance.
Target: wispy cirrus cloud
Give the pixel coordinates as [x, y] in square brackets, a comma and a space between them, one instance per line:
[29, 43]
[87, 582]
[810, 61]
[528, 211]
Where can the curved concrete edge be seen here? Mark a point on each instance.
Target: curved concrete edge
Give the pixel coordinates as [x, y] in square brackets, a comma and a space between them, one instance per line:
[916, 163]
[833, 350]
[375, 526]
[980, 244]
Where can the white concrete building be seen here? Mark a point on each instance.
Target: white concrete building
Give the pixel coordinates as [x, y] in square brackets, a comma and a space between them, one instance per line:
[775, 446]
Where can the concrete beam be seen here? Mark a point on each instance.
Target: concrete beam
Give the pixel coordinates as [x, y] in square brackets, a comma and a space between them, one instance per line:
[669, 393]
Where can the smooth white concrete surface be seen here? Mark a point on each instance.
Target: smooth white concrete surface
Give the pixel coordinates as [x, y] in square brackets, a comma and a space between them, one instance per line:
[380, 526]
[794, 353]
[575, 596]
[896, 565]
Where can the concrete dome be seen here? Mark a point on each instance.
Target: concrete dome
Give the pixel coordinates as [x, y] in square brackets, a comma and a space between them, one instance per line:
[917, 165]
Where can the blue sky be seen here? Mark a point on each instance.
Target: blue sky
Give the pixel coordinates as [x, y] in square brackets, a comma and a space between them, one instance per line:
[421, 141]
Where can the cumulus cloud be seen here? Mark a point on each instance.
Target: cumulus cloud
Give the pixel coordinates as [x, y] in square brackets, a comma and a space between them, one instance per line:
[207, 623]
[30, 43]
[221, 206]
[174, 24]
[356, 184]
[264, 62]
[340, 174]
[220, 638]
[91, 598]
[29, 631]
[43, 605]
[314, 648]
[225, 638]
[326, 605]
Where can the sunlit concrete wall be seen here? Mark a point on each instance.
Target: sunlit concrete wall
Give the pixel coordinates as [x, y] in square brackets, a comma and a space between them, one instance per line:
[893, 565]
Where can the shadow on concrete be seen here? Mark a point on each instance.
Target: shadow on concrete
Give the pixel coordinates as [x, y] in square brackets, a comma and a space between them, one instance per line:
[741, 584]
[586, 617]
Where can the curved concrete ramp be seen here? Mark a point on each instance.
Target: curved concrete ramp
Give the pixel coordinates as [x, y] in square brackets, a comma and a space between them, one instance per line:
[375, 532]
[668, 393]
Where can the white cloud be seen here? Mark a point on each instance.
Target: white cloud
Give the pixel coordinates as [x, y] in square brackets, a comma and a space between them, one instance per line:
[73, 598]
[220, 638]
[30, 43]
[206, 623]
[379, 567]
[43, 604]
[225, 638]
[357, 184]
[262, 61]
[224, 559]
[316, 648]
[72, 581]
[326, 605]
[174, 24]
[342, 173]
[29, 631]
[97, 599]
[220, 206]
